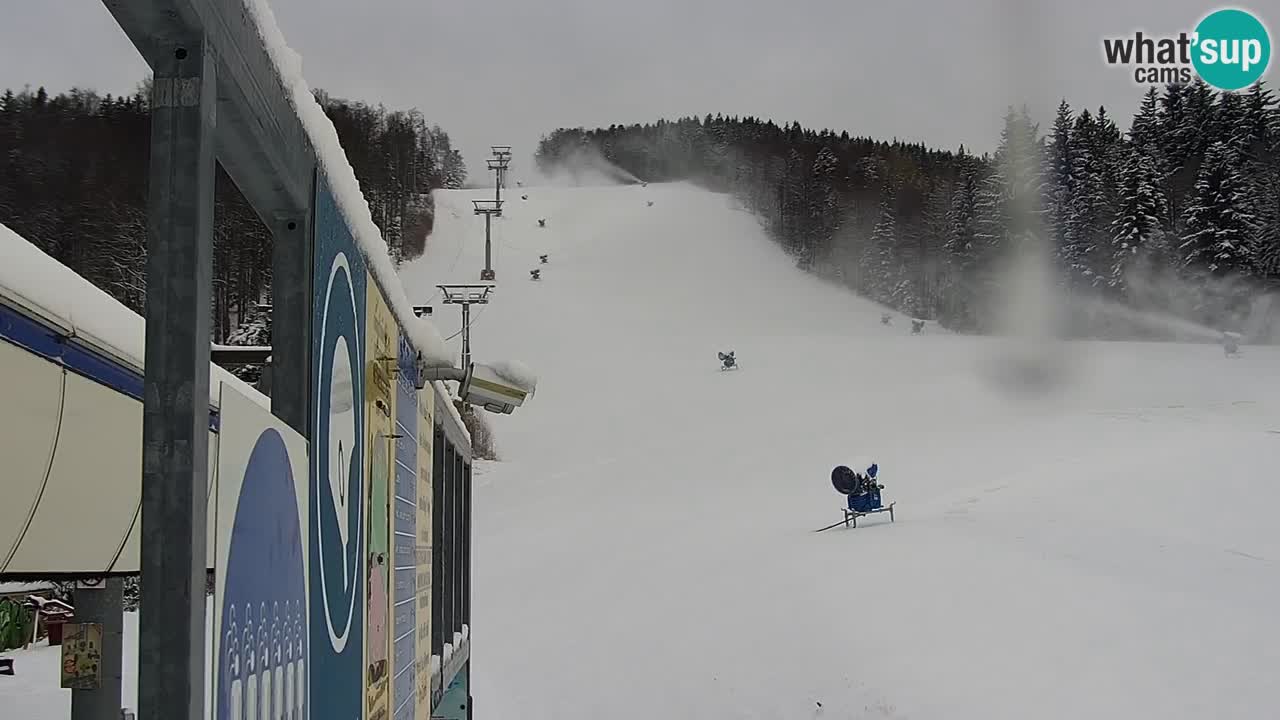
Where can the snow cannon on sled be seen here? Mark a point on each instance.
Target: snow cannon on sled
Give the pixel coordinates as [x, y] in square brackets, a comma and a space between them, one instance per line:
[862, 493]
[728, 361]
[1230, 344]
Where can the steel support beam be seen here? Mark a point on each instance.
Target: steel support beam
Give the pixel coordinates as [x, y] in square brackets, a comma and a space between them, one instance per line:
[175, 422]
[291, 320]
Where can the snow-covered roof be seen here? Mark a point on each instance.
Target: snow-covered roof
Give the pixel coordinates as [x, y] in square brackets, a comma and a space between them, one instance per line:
[333, 161]
[53, 293]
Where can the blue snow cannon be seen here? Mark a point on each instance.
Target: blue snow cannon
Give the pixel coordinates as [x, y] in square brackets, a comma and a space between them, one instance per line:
[862, 493]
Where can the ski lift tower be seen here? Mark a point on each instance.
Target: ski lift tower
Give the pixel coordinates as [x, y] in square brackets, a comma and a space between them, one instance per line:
[466, 295]
[498, 164]
[488, 208]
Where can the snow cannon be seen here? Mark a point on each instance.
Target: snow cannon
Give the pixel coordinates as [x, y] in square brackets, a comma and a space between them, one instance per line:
[1231, 344]
[644, 184]
[916, 326]
[886, 319]
[728, 361]
[650, 203]
[862, 492]
[542, 222]
[535, 274]
[543, 259]
[524, 197]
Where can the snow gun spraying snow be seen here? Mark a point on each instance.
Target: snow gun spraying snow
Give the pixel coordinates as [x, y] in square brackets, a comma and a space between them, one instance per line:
[1231, 344]
[728, 361]
[862, 492]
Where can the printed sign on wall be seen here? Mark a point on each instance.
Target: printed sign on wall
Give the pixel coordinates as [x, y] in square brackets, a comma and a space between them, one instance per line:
[260, 634]
[380, 359]
[425, 407]
[404, 537]
[336, 506]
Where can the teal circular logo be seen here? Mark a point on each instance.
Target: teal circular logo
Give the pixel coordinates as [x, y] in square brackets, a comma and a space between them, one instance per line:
[1231, 50]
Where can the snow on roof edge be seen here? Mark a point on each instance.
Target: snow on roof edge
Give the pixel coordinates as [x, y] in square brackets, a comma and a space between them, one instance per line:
[331, 158]
[61, 295]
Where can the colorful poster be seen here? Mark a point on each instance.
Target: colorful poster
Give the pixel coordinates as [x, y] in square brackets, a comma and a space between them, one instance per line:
[425, 425]
[380, 362]
[260, 639]
[82, 656]
[336, 505]
[404, 537]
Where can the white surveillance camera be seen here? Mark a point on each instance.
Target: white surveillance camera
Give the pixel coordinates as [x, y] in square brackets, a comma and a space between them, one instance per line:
[486, 388]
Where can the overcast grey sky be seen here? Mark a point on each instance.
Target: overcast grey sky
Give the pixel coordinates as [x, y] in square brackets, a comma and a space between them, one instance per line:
[508, 71]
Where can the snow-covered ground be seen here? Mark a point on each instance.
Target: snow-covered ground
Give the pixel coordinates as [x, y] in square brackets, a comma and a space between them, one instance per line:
[645, 549]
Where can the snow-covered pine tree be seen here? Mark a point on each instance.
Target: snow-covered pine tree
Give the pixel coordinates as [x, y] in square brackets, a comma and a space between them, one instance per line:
[1017, 186]
[1258, 137]
[1218, 225]
[881, 257]
[1087, 255]
[931, 243]
[1059, 179]
[971, 229]
[1138, 230]
[1144, 132]
[824, 205]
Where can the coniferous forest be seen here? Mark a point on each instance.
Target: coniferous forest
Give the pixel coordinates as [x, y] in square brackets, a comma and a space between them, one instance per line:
[1180, 215]
[73, 175]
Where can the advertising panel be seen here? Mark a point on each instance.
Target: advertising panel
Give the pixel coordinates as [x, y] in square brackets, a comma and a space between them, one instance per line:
[260, 636]
[380, 358]
[425, 425]
[404, 536]
[336, 499]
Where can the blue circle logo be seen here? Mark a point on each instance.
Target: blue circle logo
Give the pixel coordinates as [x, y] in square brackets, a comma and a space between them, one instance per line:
[1232, 49]
[337, 451]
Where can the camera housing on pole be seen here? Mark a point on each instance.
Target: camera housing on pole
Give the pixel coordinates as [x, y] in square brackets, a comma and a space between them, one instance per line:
[488, 208]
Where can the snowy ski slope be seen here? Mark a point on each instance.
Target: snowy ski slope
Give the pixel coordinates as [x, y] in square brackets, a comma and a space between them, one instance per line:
[644, 549]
